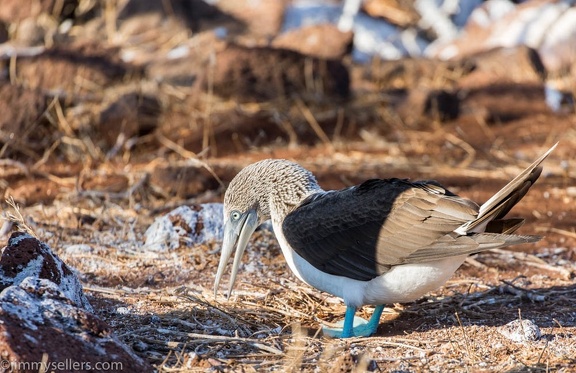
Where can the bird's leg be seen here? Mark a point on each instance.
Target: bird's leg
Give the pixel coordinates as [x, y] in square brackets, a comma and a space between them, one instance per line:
[347, 328]
[375, 318]
[366, 329]
[353, 326]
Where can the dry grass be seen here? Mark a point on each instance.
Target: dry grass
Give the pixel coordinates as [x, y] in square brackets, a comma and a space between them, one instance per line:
[162, 305]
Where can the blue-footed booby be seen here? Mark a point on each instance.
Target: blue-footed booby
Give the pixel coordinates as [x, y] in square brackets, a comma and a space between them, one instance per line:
[383, 241]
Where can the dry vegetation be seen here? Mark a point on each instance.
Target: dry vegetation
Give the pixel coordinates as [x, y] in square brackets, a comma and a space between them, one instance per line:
[163, 306]
[91, 198]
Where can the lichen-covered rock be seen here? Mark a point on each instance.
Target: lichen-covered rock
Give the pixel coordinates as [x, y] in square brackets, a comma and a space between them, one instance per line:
[521, 331]
[40, 325]
[191, 225]
[46, 322]
[26, 256]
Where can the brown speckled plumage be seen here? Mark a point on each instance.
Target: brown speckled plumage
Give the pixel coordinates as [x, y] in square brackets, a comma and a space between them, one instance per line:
[272, 185]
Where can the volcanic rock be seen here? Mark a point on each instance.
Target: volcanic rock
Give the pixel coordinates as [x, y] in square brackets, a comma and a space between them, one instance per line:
[40, 325]
[26, 256]
[260, 74]
[46, 322]
[191, 225]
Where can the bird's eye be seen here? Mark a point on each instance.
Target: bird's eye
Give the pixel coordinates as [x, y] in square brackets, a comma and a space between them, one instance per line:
[235, 215]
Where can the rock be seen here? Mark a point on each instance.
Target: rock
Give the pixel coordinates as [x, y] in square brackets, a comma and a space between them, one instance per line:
[129, 115]
[26, 256]
[182, 71]
[477, 85]
[231, 130]
[78, 69]
[425, 104]
[520, 331]
[37, 320]
[21, 108]
[39, 191]
[189, 225]
[46, 319]
[547, 26]
[371, 36]
[498, 103]
[261, 17]
[196, 15]
[147, 28]
[184, 64]
[183, 181]
[399, 13]
[416, 73]
[176, 72]
[260, 74]
[495, 66]
[122, 114]
[322, 41]
[106, 182]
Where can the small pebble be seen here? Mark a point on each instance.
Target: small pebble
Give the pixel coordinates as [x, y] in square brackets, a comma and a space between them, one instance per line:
[139, 346]
[123, 310]
[79, 249]
[520, 331]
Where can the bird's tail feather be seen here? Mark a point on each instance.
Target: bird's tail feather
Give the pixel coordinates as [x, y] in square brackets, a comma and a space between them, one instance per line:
[503, 201]
[504, 226]
[454, 245]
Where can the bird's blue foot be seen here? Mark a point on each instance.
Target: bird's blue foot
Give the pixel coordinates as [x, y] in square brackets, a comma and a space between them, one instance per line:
[354, 326]
[359, 324]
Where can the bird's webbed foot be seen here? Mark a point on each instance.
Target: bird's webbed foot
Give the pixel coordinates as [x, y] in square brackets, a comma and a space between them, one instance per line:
[354, 326]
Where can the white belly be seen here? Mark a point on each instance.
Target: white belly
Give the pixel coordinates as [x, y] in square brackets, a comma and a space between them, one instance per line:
[404, 283]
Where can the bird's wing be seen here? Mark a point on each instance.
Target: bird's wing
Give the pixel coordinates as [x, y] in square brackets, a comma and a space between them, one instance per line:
[360, 232]
[454, 244]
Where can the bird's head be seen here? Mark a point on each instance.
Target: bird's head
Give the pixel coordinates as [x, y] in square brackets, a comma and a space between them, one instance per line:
[269, 188]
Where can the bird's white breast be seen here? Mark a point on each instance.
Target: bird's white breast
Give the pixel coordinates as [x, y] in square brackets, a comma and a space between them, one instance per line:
[349, 290]
[403, 283]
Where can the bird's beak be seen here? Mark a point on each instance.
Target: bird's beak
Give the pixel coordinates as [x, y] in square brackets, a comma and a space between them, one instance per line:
[237, 232]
